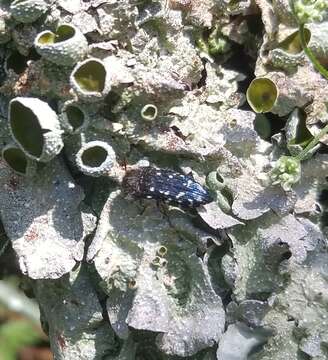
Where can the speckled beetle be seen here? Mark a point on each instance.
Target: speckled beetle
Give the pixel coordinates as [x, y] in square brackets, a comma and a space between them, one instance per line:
[166, 185]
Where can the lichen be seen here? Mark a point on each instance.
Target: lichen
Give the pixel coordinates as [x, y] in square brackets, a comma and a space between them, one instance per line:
[91, 80]
[230, 93]
[42, 218]
[160, 293]
[27, 11]
[44, 141]
[96, 158]
[66, 46]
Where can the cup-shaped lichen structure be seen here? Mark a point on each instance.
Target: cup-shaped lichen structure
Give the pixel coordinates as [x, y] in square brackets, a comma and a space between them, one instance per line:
[96, 158]
[292, 43]
[73, 117]
[27, 11]
[262, 94]
[17, 160]
[35, 128]
[149, 112]
[91, 80]
[289, 52]
[65, 47]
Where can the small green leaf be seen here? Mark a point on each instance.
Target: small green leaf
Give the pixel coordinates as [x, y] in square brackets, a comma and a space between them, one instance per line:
[14, 335]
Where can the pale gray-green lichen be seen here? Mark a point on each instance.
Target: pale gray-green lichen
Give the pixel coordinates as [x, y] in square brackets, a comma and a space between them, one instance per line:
[283, 93]
[42, 218]
[91, 80]
[288, 53]
[31, 113]
[27, 11]
[307, 190]
[96, 158]
[66, 46]
[251, 312]
[149, 112]
[283, 11]
[160, 293]
[74, 117]
[241, 277]
[239, 341]
[72, 316]
[301, 302]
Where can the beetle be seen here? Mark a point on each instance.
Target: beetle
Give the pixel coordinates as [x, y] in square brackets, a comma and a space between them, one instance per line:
[165, 185]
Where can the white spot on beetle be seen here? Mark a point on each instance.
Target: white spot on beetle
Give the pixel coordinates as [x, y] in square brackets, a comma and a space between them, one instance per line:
[149, 197]
[158, 173]
[171, 176]
[152, 189]
[180, 194]
[166, 193]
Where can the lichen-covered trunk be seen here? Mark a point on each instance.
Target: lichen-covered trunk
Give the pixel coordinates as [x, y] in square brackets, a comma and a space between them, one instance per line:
[162, 202]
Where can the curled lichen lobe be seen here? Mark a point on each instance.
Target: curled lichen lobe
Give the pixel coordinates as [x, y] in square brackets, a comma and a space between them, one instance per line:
[165, 185]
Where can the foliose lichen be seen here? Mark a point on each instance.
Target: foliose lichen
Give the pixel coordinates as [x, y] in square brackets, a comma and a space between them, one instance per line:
[91, 80]
[74, 117]
[228, 95]
[27, 11]
[66, 46]
[96, 158]
[44, 142]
